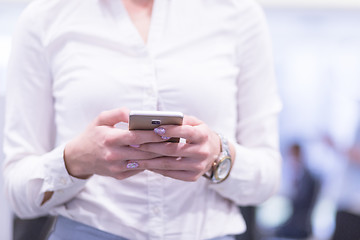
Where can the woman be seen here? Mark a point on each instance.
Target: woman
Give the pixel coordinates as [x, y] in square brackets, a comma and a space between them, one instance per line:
[77, 67]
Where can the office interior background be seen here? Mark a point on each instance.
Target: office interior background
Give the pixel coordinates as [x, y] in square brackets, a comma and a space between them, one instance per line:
[317, 59]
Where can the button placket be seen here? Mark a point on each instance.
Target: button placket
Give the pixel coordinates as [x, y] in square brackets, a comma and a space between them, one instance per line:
[150, 93]
[156, 198]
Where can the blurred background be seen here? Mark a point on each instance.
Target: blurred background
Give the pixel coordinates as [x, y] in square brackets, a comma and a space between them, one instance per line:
[317, 58]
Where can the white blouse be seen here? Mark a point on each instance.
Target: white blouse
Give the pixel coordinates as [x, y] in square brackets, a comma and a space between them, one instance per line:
[73, 59]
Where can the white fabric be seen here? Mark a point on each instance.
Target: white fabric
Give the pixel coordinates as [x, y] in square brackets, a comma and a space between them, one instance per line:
[207, 58]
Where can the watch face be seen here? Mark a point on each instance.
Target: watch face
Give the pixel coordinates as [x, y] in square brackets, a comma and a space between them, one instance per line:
[223, 168]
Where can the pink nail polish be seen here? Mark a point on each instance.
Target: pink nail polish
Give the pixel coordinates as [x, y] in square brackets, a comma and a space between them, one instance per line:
[135, 145]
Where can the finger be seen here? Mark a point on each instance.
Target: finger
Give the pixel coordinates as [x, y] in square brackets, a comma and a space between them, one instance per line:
[126, 174]
[192, 134]
[185, 150]
[201, 156]
[112, 117]
[187, 176]
[129, 153]
[173, 149]
[166, 163]
[138, 137]
[191, 120]
[119, 137]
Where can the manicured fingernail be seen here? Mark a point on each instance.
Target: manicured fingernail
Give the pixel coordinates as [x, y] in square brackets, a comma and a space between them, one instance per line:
[135, 145]
[165, 138]
[159, 131]
[132, 165]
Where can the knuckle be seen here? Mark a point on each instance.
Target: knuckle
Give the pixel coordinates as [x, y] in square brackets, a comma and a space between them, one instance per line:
[102, 116]
[110, 156]
[133, 138]
[123, 111]
[192, 131]
[108, 139]
[204, 152]
[204, 136]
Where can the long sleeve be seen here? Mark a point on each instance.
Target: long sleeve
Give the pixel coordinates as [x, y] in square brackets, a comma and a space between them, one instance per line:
[73, 59]
[256, 172]
[33, 164]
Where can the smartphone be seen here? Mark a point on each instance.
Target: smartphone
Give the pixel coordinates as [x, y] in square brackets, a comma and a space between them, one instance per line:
[148, 120]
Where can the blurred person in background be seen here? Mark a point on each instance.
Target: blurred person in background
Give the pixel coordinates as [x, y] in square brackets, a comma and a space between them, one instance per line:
[347, 222]
[304, 192]
[75, 70]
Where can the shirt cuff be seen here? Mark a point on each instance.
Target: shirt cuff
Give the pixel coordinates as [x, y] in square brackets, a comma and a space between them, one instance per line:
[253, 177]
[55, 172]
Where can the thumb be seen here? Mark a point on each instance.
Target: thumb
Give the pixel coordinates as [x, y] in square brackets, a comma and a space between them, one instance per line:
[191, 120]
[112, 117]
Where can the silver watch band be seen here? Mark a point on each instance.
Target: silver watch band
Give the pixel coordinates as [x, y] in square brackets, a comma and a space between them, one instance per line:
[224, 151]
[224, 145]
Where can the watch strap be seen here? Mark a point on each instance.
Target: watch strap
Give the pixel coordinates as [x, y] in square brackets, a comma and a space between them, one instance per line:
[224, 150]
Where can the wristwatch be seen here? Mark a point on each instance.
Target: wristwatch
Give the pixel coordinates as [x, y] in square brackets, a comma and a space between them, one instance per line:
[221, 167]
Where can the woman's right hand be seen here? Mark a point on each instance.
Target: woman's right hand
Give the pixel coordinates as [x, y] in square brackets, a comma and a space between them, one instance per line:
[105, 150]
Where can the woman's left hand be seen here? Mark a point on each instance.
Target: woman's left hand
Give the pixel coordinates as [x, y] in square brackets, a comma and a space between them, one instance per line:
[184, 161]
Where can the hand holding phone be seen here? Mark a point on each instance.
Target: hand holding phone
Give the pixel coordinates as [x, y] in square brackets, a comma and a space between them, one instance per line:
[188, 161]
[149, 120]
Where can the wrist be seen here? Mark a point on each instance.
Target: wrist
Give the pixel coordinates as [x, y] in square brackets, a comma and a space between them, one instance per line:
[221, 167]
[72, 164]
